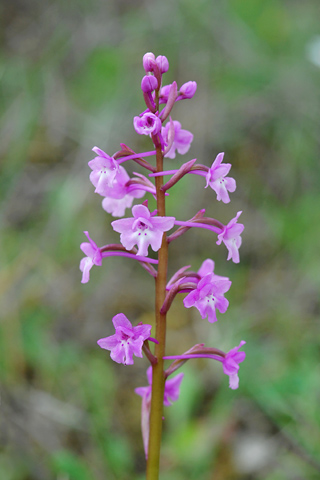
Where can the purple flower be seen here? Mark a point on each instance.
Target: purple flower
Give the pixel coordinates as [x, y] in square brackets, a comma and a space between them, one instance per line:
[142, 230]
[162, 63]
[230, 236]
[148, 124]
[105, 172]
[182, 139]
[127, 341]
[93, 257]
[230, 364]
[209, 295]
[217, 180]
[171, 394]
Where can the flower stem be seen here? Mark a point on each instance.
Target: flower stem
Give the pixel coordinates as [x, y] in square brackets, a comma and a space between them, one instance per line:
[158, 379]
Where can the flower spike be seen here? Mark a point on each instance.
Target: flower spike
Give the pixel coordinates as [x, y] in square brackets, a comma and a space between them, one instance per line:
[202, 288]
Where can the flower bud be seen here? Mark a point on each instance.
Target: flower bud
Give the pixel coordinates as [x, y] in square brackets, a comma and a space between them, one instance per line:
[162, 63]
[149, 83]
[148, 61]
[188, 89]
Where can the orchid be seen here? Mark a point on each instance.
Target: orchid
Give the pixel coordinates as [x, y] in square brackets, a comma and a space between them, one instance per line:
[208, 296]
[202, 288]
[142, 230]
[127, 341]
[105, 171]
[182, 139]
[230, 364]
[230, 236]
[110, 180]
[93, 257]
[217, 180]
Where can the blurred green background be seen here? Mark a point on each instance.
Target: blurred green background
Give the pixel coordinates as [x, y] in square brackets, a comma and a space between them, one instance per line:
[70, 79]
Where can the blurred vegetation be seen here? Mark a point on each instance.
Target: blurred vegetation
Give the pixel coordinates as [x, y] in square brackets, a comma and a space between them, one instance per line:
[70, 79]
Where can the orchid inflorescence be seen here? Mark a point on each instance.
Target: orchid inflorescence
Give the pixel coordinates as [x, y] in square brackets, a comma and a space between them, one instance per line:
[205, 289]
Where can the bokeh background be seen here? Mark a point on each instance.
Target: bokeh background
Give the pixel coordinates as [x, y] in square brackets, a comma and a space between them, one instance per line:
[70, 79]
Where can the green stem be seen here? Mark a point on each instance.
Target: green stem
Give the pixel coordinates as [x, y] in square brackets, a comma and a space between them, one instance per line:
[158, 379]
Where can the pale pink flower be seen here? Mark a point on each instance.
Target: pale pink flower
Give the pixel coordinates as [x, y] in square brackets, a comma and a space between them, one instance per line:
[93, 257]
[182, 139]
[142, 229]
[218, 181]
[230, 236]
[230, 364]
[127, 341]
[209, 296]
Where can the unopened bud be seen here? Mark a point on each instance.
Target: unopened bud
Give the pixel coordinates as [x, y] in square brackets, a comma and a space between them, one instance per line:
[162, 63]
[188, 89]
[149, 83]
[148, 61]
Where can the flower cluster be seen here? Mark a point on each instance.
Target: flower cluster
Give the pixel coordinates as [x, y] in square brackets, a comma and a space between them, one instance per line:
[205, 290]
